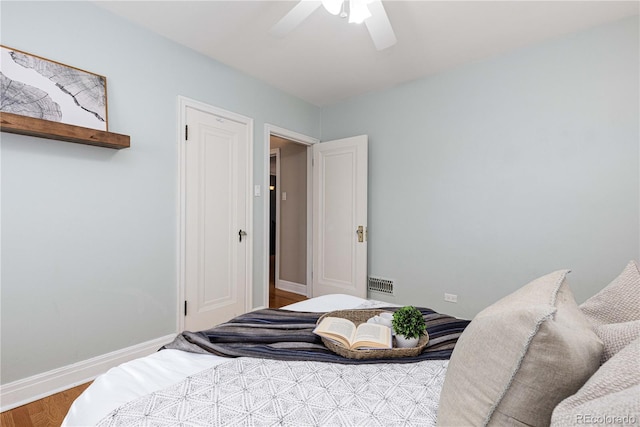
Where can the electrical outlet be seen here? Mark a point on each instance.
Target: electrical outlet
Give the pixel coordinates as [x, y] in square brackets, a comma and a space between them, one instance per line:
[451, 297]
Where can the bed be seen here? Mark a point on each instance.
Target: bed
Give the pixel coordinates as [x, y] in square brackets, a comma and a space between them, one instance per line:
[533, 358]
[139, 379]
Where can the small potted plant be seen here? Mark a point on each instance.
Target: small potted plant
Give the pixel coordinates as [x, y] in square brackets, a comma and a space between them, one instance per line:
[408, 325]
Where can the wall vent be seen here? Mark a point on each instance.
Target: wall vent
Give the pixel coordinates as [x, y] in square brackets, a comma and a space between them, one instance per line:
[384, 286]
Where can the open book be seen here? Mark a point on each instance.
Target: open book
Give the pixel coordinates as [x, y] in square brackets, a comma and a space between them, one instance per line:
[344, 331]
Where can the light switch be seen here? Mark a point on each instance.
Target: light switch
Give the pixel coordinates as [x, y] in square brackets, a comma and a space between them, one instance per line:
[256, 191]
[284, 195]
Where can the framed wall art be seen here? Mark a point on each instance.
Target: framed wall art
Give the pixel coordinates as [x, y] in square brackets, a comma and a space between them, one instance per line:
[40, 88]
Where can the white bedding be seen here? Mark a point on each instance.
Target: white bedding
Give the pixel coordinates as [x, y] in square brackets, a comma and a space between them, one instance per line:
[140, 377]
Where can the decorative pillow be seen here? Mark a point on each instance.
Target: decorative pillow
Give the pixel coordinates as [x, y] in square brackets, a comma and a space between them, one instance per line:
[617, 336]
[618, 302]
[611, 396]
[519, 358]
[615, 311]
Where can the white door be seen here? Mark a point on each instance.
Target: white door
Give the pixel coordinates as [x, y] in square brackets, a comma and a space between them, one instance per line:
[340, 217]
[217, 158]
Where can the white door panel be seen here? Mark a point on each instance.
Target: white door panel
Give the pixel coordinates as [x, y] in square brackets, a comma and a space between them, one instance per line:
[216, 191]
[339, 208]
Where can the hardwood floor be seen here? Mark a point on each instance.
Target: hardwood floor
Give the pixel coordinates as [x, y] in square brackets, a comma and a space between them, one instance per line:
[277, 297]
[47, 412]
[50, 411]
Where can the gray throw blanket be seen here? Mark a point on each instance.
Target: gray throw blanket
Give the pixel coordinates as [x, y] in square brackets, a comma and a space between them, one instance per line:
[287, 335]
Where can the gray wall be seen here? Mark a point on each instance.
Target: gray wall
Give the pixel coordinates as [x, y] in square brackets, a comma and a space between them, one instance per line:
[487, 176]
[89, 234]
[293, 213]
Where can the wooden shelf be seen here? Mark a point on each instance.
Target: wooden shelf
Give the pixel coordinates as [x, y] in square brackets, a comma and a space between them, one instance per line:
[22, 125]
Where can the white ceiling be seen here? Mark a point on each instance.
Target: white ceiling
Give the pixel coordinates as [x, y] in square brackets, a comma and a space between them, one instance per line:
[326, 60]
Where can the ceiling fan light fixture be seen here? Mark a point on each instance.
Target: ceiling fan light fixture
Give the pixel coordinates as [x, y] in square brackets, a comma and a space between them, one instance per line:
[358, 11]
[333, 6]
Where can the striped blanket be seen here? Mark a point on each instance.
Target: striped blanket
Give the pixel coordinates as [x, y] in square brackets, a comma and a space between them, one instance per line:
[287, 335]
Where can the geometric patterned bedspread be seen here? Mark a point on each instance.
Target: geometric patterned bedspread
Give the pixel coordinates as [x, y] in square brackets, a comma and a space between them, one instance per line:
[262, 392]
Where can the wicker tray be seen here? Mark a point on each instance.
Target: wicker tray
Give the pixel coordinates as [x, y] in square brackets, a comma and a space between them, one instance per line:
[361, 316]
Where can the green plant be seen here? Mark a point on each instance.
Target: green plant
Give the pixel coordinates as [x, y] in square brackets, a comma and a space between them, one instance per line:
[408, 321]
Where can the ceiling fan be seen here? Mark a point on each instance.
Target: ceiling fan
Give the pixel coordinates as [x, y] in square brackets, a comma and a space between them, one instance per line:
[371, 12]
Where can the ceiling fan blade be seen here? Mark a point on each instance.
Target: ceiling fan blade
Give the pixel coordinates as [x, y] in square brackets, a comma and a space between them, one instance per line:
[379, 26]
[291, 20]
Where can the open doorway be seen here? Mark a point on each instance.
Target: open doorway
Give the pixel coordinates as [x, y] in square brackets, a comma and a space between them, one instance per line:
[292, 136]
[336, 215]
[288, 237]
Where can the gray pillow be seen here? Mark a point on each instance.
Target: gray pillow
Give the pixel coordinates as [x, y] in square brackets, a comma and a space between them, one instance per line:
[619, 301]
[617, 336]
[519, 358]
[615, 311]
[610, 397]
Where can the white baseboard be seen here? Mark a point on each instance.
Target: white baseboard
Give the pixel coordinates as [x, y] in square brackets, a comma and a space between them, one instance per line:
[296, 288]
[27, 390]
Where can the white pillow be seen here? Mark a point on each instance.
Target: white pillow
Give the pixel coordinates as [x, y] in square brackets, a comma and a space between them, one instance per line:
[610, 397]
[519, 358]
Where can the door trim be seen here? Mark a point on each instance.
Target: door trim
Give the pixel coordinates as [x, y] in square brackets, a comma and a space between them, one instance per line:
[183, 104]
[275, 152]
[269, 130]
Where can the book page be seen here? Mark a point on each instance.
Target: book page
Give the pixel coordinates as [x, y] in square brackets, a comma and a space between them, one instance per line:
[332, 327]
[373, 335]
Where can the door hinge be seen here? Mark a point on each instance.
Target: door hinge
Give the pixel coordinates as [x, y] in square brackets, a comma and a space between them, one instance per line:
[185, 307]
[186, 132]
